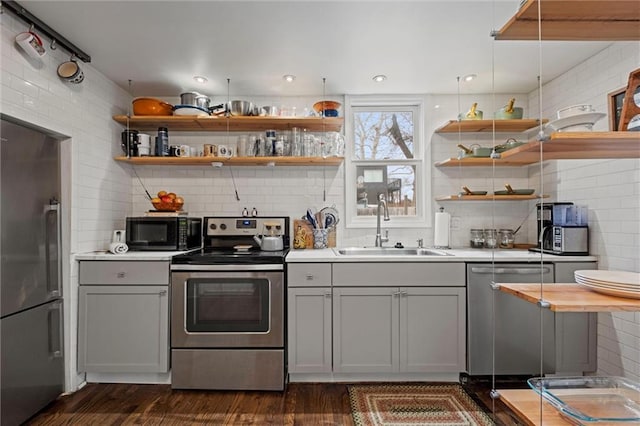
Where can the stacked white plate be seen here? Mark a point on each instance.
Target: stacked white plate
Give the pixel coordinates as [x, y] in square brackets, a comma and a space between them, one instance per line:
[582, 122]
[614, 283]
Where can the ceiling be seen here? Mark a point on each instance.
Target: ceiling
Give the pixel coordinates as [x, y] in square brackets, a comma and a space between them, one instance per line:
[421, 46]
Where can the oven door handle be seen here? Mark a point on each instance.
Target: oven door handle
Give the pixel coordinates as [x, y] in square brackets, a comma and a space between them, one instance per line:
[235, 268]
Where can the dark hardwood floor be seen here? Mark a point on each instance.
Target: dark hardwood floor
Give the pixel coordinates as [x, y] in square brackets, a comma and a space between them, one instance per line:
[300, 404]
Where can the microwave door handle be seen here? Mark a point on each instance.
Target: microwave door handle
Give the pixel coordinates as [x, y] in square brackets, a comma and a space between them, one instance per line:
[53, 266]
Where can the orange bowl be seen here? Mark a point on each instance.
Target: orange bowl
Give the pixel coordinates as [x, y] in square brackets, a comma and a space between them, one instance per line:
[320, 105]
[151, 106]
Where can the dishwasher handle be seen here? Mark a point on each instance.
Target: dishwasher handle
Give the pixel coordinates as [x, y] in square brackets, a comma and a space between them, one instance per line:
[500, 271]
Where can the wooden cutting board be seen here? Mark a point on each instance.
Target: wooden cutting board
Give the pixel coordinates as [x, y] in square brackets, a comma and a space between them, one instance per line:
[303, 230]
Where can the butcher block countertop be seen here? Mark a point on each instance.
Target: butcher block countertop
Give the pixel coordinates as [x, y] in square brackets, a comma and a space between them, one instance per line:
[571, 298]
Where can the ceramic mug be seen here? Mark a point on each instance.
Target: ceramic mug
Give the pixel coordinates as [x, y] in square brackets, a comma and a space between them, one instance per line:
[224, 151]
[144, 139]
[183, 151]
[31, 44]
[209, 150]
[70, 71]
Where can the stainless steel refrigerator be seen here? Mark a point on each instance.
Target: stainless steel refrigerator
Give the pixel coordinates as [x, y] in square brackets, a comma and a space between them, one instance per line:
[31, 333]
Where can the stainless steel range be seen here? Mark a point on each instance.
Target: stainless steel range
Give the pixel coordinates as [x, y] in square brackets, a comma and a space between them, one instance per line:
[227, 307]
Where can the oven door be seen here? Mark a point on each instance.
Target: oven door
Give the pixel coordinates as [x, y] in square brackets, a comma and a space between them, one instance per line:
[227, 309]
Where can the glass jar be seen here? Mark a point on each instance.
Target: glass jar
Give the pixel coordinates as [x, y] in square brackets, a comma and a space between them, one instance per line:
[506, 238]
[477, 238]
[490, 238]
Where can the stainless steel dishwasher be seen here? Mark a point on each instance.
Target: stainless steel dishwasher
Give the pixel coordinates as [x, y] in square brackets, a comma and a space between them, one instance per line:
[517, 323]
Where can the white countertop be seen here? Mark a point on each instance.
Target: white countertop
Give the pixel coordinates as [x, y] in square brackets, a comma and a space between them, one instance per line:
[130, 255]
[457, 255]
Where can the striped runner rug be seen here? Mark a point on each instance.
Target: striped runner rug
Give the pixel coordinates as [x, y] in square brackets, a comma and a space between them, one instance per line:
[415, 404]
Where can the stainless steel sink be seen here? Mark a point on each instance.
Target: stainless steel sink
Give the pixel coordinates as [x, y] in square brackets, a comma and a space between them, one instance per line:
[389, 251]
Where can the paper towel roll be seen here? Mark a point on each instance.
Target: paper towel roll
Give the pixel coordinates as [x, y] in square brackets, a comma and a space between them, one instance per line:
[118, 248]
[441, 230]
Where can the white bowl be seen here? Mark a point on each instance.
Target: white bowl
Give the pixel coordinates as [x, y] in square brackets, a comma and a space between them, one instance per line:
[575, 110]
[575, 123]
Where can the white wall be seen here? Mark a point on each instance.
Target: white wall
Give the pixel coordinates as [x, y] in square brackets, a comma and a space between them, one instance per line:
[96, 188]
[610, 189]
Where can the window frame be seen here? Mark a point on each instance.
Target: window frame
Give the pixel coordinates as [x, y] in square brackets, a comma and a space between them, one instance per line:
[356, 103]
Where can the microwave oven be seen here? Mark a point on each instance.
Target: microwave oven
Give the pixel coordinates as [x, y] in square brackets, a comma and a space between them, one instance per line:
[164, 233]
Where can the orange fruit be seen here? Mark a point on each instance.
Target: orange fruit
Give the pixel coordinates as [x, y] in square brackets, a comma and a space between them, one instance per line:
[162, 194]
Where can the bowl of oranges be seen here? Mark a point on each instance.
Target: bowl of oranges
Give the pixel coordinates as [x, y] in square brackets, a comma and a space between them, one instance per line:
[167, 202]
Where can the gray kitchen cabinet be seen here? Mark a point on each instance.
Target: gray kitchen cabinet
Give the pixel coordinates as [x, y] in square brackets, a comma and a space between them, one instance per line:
[366, 330]
[399, 329]
[123, 327]
[576, 332]
[309, 317]
[309, 331]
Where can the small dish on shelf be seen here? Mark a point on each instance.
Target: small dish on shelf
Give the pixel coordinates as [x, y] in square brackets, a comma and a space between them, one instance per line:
[591, 399]
[573, 123]
[190, 110]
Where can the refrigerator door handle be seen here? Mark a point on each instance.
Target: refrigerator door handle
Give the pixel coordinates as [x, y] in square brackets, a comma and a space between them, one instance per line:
[54, 319]
[54, 266]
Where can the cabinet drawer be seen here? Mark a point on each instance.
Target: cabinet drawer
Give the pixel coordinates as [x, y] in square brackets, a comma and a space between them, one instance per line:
[309, 274]
[125, 272]
[399, 274]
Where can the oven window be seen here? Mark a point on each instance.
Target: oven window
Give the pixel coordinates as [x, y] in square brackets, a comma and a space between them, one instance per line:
[228, 305]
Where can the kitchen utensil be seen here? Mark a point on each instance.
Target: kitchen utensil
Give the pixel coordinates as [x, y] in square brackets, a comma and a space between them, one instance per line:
[270, 240]
[325, 106]
[592, 399]
[129, 142]
[151, 106]
[31, 43]
[70, 72]
[202, 101]
[311, 218]
[472, 114]
[331, 215]
[189, 98]
[475, 150]
[509, 112]
[190, 110]
[509, 144]
[510, 191]
[467, 191]
[271, 110]
[239, 108]
[574, 110]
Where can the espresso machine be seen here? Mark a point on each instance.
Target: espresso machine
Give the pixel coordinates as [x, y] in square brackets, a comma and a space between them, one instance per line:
[562, 229]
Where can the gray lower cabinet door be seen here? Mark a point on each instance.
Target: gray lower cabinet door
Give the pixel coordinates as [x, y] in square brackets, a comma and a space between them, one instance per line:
[432, 329]
[309, 330]
[365, 329]
[123, 329]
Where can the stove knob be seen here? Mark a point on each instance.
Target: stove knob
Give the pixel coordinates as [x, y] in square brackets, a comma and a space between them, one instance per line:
[223, 226]
[213, 226]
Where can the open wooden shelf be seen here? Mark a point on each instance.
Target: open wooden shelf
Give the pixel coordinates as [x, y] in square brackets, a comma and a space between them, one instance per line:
[562, 146]
[233, 124]
[233, 161]
[529, 406]
[471, 126]
[490, 197]
[571, 298]
[598, 20]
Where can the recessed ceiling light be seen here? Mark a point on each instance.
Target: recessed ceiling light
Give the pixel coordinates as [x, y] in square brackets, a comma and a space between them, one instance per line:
[469, 77]
[289, 78]
[380, 77]
[200, 79]
[436, 106]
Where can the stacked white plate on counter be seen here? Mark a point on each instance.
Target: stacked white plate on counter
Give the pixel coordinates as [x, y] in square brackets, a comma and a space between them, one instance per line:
[614, 283]
[575, 118]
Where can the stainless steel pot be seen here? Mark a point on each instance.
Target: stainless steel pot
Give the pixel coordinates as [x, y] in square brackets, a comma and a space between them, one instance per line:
[202, 101]
[189, 98]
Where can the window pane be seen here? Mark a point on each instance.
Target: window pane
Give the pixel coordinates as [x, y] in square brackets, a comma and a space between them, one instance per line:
[396, 182]
[381, 135]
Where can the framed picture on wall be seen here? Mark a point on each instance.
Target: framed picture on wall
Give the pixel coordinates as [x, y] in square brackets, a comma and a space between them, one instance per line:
[615, 108]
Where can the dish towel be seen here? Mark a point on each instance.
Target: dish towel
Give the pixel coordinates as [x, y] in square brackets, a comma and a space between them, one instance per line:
[118, 248]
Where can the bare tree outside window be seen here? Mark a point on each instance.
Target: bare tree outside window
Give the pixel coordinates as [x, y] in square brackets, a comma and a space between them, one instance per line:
[382, 140]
